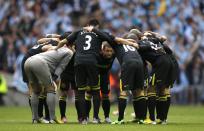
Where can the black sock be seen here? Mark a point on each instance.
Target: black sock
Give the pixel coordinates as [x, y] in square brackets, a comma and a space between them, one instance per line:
[162, 104]
[40, 106]
[62, 106]
[29, 102]
[77, 106]
[82, 104]
[122, 102]
[140, 107]
[168, 103]
[151, 103]
[47, 114]
[96, 102]
[157, 108]
[106, 107]
[88, 107]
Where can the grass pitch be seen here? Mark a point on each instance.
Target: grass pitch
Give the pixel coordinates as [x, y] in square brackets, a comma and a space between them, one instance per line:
[181, 118]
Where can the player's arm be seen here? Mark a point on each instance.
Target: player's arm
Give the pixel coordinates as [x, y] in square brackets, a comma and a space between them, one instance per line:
[110, 38]
[52, 36]
[70, 39]
[167, 49]
[130, 42]
[117, 40]
[44, 40]
[146, 45]
[48, 47]
[162, 38]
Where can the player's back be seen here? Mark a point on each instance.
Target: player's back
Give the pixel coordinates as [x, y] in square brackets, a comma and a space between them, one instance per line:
[53, 57]
[153, 52]
[87, 46]
[125, 53]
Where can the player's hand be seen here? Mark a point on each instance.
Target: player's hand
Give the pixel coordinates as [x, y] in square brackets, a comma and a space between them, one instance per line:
[135, 45]
[88, 28]
[131, 40]
[147, 33]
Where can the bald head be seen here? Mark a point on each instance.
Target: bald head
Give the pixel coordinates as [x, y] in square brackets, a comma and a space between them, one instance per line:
[132, 36]
[136, 32]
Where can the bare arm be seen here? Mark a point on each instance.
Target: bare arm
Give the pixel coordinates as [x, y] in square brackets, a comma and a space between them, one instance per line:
[43, 40]
[52, 36]
[130, 42]
[161, 37]
[61, 43]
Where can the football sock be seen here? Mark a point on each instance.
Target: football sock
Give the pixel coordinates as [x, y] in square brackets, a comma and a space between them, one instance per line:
[151, 103]
[96, 102]
[34, 105]
[62, 106]
[122, 102]
[106, 106]
[51, 105]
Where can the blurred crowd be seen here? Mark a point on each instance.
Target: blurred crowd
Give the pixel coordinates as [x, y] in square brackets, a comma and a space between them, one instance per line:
[22, 22]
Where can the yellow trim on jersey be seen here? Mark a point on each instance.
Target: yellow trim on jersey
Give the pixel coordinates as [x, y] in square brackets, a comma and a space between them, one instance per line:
[62, 98]
[121, 89]
[123, 97]
[153, 80]
[163, 98]
[138, 98]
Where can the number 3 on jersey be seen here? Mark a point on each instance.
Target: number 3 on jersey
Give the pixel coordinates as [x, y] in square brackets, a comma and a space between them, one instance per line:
[88, 39]
[128, 48]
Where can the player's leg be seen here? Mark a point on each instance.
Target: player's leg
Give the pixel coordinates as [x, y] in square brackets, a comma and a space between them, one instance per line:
[93, 83]
[33, 82]
[161, 70]
[124, 88]
[41, 99]
[151, 98]
[64, 86]
[79, 116]
[139, 99]
[44, 76]
[106, 107]
[88, 98]
[105, 89]
[81, 83]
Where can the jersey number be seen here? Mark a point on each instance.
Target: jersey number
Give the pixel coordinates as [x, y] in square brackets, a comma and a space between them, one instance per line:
[154, 46]
[88, 39]
[128, 48]
[35, 46]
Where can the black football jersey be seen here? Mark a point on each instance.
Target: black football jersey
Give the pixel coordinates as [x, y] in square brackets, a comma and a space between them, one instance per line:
[104, 64]
[36, 49]
[87, 44]
[125, 52]
[150, 51]
[68, 73]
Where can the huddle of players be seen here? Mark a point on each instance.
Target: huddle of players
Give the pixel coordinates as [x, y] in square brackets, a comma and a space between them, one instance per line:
[89, 61]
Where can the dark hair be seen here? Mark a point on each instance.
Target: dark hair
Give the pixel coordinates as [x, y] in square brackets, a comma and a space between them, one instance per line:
[64, 35]
[93, 22]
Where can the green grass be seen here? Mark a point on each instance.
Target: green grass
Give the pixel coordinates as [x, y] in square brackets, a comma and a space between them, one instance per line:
[181, 118]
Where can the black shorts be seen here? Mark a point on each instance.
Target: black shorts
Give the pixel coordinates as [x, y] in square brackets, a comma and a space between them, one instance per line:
[104, 83]
[160, 72]
[87, 77]
[174, 71]
[146, 77]
[67, 81]
[132, 75]
[66, 85]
